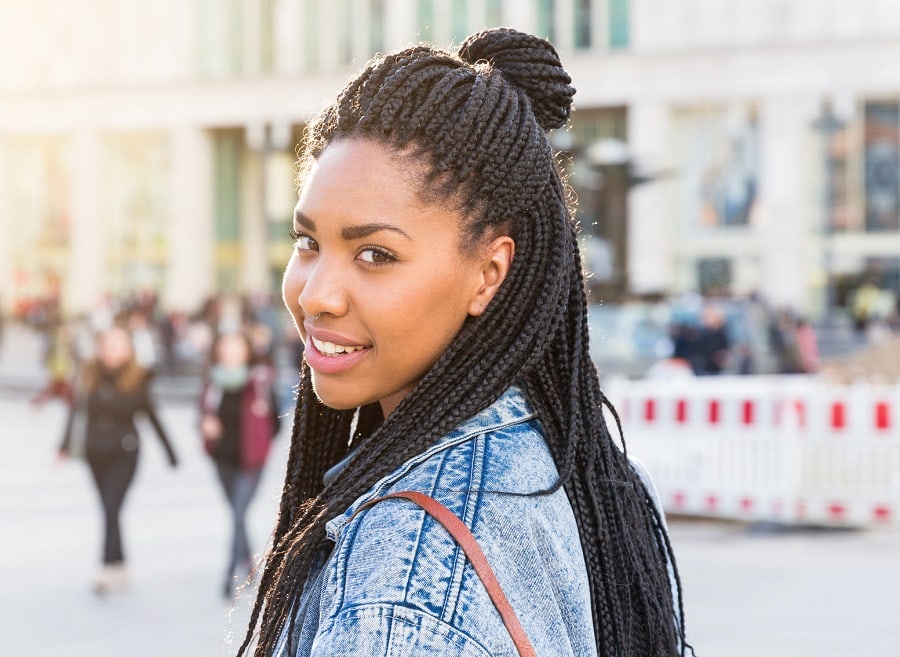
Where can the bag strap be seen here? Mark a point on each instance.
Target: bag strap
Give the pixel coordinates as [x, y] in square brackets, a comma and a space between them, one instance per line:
[469, 544]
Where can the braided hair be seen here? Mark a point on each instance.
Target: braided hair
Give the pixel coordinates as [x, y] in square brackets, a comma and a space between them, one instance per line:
[476, 122]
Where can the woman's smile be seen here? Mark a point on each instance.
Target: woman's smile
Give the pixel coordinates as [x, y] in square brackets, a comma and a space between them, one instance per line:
[327, 353]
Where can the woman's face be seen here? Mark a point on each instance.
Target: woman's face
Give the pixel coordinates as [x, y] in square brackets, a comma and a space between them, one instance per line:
[377, 284]
[114, 348]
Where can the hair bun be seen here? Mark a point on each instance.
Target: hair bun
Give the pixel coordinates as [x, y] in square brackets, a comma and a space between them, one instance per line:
[531, 64]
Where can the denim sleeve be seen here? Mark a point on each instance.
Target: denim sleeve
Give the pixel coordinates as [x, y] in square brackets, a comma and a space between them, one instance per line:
[380, 630]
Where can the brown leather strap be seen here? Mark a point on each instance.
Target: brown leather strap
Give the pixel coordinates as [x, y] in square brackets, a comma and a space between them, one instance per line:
[458, 530]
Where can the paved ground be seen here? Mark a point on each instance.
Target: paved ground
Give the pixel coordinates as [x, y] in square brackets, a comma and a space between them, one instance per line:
[175, 529]
[750, 591]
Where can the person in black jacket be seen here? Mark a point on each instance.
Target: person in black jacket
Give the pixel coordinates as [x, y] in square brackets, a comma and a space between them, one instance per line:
[112, 390]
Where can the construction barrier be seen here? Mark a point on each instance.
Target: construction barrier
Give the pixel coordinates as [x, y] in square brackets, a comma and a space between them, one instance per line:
[782, 449]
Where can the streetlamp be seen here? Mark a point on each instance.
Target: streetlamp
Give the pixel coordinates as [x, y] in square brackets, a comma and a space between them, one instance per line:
[615, 175]
[603, 172]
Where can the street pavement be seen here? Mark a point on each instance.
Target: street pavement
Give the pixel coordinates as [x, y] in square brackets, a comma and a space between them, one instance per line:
[749, 590]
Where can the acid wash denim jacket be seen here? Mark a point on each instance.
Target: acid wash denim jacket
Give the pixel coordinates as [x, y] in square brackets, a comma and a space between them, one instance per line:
[396, 584]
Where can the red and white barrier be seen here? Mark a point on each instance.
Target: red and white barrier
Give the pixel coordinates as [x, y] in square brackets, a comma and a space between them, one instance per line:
[783, 449]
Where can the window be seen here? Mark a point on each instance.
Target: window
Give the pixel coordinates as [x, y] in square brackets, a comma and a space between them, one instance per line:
[582, 24]
[493, 13]
[426, 19]
[545, 13]
[714, 276]
[38, 190]
[136, 208]
[376, 27]
[882, 166]
[459, 20]
[227, 151]
[619, 24]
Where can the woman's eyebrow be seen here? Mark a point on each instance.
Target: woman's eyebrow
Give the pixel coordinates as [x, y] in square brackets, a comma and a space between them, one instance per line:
[364, 230]
[304, 221]
[354, 232]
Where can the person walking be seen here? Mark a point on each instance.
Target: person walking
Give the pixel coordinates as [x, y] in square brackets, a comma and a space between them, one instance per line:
[111, 391]
[436, 281]
[239, 419]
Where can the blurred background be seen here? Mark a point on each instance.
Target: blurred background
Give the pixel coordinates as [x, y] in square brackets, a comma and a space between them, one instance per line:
[737, 170]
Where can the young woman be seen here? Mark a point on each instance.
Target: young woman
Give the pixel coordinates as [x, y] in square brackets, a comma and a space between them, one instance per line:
[111, 392]
[239, 419]
[437, 283]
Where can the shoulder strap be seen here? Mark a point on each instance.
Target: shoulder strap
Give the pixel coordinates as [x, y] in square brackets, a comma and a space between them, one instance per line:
[469, 544]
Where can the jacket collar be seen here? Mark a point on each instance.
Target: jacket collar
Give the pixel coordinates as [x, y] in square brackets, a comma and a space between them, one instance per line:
[510, 408]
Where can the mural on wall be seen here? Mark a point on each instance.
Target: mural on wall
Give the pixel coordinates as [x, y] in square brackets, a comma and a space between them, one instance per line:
[719, 169]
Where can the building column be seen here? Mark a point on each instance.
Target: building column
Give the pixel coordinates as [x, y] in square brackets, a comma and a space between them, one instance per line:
[564, 25]
[190, 271]
[442, 30]
[359, 31]
[7, 279]
[254, 223]
[520, 15]
[782, 224]
[329, 57]
[650, 216]
[288, 37]
[85, 283]
[400, 22]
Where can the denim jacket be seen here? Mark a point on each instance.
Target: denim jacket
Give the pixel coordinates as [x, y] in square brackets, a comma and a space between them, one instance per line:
[396, 584]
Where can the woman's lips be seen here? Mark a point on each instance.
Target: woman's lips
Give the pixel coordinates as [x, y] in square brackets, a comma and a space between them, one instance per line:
[320, 360]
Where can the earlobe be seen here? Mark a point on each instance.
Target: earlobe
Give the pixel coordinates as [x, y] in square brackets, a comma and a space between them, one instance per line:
[498, 257]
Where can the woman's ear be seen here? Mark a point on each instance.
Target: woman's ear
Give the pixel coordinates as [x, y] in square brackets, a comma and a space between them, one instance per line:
[495, 262]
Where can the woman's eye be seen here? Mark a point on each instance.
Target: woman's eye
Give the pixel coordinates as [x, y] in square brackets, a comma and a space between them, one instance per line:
[304, 242]
[377, 256]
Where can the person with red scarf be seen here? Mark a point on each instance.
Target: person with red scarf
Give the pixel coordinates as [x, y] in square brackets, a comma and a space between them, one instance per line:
[239, 419]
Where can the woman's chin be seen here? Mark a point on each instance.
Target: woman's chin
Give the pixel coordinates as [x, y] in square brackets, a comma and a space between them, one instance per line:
[338, 400]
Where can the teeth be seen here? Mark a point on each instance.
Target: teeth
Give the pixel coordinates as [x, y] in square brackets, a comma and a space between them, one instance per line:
[331, 349]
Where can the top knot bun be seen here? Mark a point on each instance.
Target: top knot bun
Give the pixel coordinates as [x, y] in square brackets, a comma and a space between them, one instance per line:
[531, 64]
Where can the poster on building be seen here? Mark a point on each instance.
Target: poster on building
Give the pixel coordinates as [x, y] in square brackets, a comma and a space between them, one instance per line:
[719, 168]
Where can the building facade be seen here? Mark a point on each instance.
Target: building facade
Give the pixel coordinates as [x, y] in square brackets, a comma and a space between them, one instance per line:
[721, 147]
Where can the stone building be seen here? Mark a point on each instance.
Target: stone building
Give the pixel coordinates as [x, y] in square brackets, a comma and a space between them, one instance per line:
[721, 147]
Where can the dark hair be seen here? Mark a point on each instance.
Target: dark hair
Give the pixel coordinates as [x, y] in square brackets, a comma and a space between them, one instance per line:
[478, 122]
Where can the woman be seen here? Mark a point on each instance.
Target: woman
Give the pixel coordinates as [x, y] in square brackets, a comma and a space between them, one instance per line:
[239, 419]
[112, 391]
[437, 283]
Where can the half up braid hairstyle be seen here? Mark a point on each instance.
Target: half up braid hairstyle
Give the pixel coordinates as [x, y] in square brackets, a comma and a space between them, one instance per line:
[477, 123]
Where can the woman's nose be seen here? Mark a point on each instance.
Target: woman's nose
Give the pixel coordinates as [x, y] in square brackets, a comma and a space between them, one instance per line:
[323, 290]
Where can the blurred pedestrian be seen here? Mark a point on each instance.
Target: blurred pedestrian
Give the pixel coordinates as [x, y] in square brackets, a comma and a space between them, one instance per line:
[239, 419]
[111, 391]
[711, 349]
[144, 341]
[807, 346]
